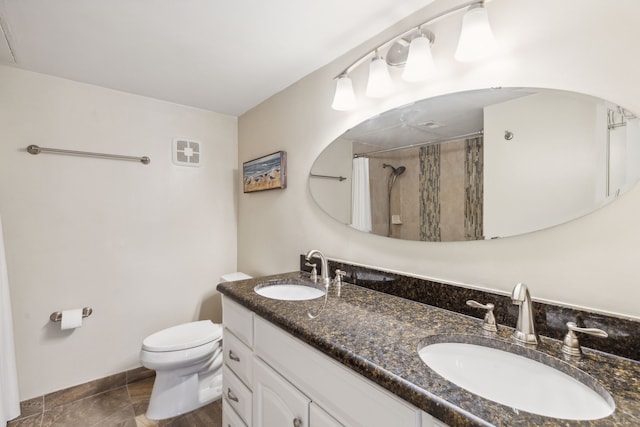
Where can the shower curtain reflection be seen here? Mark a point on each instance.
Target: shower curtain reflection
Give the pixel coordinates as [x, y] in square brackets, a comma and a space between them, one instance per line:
[9, 398]
[361, 196]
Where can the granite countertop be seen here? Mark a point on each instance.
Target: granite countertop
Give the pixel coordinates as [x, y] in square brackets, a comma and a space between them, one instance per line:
[378, 335]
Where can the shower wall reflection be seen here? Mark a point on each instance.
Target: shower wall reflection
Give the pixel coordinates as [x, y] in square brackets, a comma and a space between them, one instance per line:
[448, 179]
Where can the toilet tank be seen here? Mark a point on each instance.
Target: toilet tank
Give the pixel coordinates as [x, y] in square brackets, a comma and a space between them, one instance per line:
[231, 277]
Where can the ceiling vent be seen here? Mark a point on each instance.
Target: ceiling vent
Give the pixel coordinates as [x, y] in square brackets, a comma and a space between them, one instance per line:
[186, 153]
[431, 125]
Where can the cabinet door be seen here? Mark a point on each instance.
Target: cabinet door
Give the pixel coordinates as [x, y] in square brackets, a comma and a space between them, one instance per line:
[319, 418]
[275, 401]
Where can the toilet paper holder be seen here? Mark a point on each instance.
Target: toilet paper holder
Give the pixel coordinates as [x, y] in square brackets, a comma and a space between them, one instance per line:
[57, 315]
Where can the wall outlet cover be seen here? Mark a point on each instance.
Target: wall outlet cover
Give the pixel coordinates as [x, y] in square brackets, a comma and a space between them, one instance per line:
[186, 152]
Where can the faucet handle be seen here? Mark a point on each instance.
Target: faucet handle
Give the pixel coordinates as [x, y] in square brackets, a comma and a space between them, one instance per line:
[337, 281]
[314, 271]
[570, 345]
[489, 323]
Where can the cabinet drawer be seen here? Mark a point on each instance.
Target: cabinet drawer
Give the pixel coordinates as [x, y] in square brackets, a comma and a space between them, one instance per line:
[237, 357]
[319, 418]
[237, 394]
[229, 416]
[238, 319]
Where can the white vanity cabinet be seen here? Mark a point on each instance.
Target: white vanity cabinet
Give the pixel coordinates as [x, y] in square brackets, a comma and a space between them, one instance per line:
[292, 384]
[348, 397]
[237, 373]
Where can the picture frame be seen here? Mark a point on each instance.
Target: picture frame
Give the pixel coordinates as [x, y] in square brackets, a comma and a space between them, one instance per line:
[265, 173]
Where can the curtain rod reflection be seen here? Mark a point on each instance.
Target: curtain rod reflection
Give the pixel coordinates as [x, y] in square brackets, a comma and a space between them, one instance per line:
[420, 144]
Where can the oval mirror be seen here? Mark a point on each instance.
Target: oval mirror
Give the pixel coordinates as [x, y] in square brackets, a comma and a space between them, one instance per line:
[479, 165]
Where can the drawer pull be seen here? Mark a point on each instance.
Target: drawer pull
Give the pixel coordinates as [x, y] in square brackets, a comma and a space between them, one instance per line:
[233, 356]
[297, 422]
[232, 396]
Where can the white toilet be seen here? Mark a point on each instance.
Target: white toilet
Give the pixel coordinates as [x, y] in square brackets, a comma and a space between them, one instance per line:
[188, 360]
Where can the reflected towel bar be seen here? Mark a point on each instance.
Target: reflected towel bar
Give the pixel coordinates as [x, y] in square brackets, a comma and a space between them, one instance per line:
[34, 149]
[339, 178]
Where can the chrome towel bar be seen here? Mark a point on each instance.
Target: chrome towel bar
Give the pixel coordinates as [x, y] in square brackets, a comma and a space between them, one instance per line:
[34, 149]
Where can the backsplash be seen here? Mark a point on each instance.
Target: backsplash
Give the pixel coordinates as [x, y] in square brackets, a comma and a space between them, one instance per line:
[550, 319]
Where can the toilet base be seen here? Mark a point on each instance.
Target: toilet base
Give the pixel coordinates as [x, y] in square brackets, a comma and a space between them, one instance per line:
[174, 394]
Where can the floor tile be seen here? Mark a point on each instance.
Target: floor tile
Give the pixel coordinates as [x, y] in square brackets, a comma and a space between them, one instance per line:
[138, 374]
[209, 416]
[143, 421]
[31, 407]
[82, 391]
[123, 407]
[121, 418]
[90, 411]
[139, 393]
[32, 421]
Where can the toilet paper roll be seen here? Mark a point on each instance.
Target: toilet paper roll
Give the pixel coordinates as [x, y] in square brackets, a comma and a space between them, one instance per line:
[71, 319]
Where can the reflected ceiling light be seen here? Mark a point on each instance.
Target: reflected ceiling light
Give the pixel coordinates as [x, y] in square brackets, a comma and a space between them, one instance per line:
[380, 83]
[476, 41]
[419, 66]
[476, 38]
[344, 99]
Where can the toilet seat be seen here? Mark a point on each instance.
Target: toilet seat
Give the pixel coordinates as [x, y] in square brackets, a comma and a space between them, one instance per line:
[181, 337]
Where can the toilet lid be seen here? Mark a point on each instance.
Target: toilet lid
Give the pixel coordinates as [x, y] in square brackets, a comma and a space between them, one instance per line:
[181, 337]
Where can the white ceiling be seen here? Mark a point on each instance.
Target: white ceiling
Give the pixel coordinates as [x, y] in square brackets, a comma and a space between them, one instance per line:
[220, 56]
[432, 119]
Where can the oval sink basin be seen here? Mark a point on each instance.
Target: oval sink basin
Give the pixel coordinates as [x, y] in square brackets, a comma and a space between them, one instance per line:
[289, 290]
[516, 381]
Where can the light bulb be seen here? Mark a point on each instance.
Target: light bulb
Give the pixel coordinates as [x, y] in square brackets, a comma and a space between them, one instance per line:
[379, 84]
[419, 64]
[476, 38]
[344, 98]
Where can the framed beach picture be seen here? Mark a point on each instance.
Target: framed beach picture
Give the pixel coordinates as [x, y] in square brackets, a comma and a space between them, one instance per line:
[265, 173]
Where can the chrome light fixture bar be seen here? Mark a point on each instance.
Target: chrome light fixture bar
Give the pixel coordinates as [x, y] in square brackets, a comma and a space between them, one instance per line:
[412, 48]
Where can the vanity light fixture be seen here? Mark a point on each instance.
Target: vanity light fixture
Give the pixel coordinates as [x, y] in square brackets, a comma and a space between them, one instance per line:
[344, 99]
[476, 38]
[476, 41]
[380, 83]
[419, 66]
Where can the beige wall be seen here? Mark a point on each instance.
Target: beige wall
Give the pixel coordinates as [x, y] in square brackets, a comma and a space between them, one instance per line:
[574, 45]
[334, 195]
[565, 156]
[143, 245]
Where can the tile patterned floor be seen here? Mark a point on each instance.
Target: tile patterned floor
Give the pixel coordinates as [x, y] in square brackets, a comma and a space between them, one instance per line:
[121, 407]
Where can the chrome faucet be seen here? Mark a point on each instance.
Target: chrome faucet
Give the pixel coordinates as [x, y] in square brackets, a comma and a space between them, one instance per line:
[324, 269]
[525, 330]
